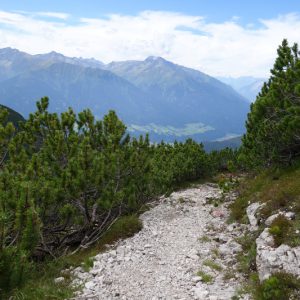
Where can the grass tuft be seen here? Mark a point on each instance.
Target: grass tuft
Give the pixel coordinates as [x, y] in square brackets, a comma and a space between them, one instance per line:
[216, 252]
[206, 278]
[204, 239]
[213, 265]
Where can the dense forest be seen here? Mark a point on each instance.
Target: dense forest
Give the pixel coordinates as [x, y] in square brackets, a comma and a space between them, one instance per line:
[65, 179]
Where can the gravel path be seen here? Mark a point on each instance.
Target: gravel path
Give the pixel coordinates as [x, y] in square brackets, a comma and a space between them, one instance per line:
[181, 235]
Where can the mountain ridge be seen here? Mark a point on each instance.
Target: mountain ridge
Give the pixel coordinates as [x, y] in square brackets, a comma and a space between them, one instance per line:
[152, 91]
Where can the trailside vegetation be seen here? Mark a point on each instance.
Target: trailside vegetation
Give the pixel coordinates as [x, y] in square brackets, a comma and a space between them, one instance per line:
[66, 179]
[273, 125]
[271, 146]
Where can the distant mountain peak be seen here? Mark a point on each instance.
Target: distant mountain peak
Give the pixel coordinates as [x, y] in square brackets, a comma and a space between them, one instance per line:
[9, 50]
[9, 53]
[155, 59]
[52, 54]
[55, 53]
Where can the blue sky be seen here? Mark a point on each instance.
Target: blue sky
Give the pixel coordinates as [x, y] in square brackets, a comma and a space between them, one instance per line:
[214, 10]
[226, 38]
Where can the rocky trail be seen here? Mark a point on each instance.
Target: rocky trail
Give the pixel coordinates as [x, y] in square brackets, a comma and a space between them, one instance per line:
[186, 250]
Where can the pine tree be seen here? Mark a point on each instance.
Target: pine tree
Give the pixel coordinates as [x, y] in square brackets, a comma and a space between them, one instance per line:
[273, 124]
[64, 179]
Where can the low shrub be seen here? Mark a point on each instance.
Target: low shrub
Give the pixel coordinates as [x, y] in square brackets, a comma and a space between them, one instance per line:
[238, 210]
[279, 229]
[247, 258]
[281, 201]
[280, 286]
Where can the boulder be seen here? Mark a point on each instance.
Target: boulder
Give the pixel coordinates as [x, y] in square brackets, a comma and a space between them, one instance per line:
[270, 260]
[289, 215]
[251, 214]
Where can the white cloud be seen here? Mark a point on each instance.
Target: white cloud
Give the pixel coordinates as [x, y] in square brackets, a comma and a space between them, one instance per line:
[215, 48]
[56, 15]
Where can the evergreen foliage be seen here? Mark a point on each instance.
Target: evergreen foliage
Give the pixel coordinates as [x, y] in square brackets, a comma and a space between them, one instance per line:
[65, 180]
[273, 125]
[13, 116]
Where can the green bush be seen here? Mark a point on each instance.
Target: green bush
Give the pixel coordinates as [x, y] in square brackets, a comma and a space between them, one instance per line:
[14, 265]
[225, 160]
[280, 286]
[273, 123]
[87, 264]
[279, 229]
[272, 289]
[68, 180]
[238, 210]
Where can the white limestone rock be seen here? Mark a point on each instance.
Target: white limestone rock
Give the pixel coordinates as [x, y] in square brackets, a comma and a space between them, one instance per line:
[59, 279]
[251, 211]
[230, 248]
[288, 215]
[270, 260]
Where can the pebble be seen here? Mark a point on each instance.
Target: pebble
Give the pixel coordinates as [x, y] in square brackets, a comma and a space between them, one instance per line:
[59, 279]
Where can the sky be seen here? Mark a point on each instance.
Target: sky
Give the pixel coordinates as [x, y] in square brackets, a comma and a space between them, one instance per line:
[219, 37]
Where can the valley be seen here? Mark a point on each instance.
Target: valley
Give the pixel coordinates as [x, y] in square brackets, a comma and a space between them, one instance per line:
[156, 96]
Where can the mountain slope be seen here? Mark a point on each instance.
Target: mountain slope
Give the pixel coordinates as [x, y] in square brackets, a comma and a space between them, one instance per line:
[247, 86]
[74, 86]
[232, 143]
[188, 96]
[251, 90]
[154, 95]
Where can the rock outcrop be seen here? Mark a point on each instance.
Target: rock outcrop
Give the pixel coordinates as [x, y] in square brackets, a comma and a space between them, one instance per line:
[251, 211]
[271, 259]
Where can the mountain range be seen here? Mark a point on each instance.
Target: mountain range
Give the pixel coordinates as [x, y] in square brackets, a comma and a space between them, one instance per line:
[156, 96]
